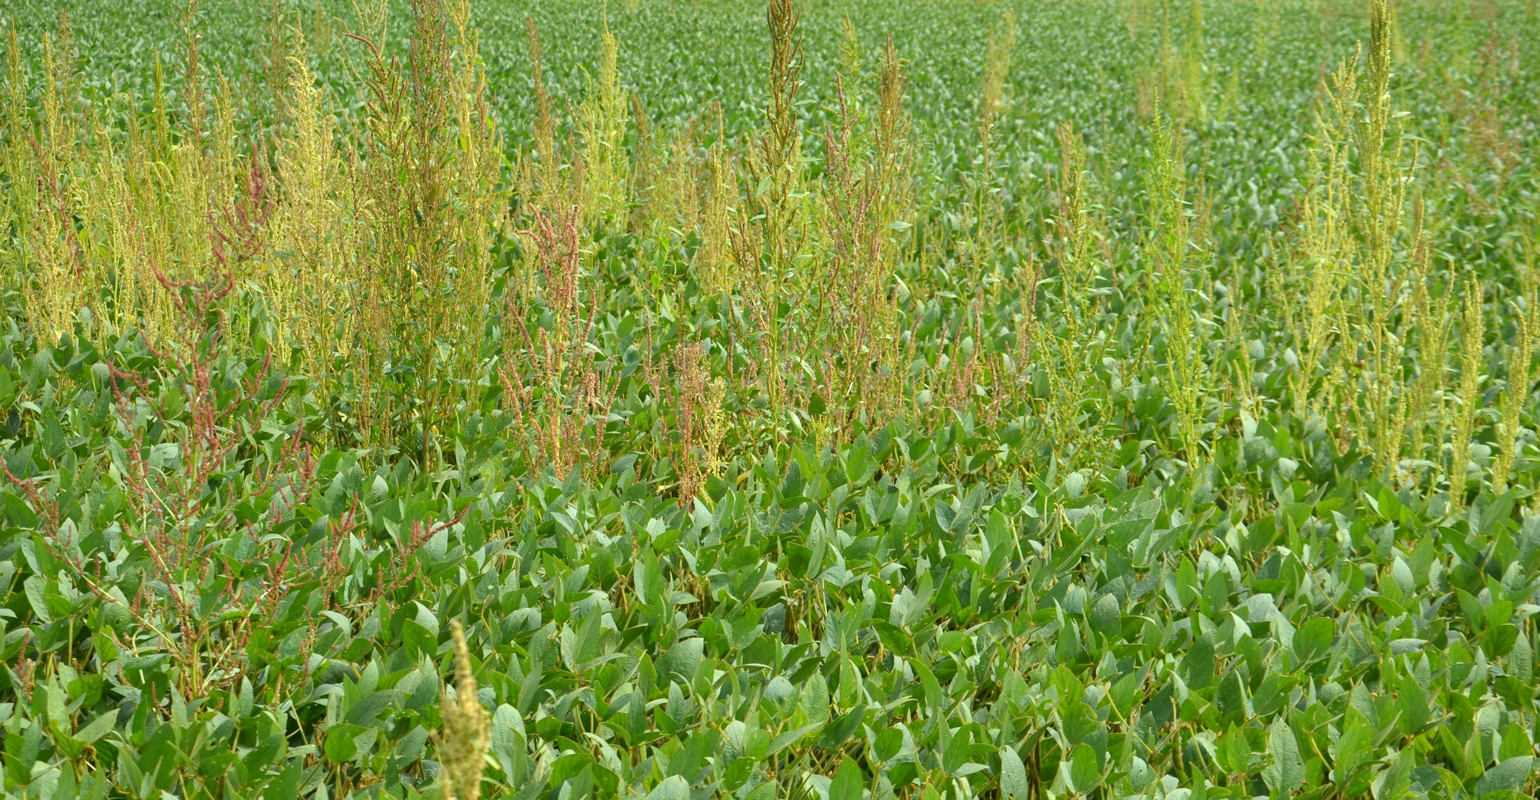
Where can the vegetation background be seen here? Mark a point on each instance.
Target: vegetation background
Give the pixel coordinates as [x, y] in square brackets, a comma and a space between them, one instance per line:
[831, 398]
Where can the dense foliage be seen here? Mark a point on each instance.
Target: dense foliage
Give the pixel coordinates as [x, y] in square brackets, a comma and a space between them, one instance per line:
[864, 398]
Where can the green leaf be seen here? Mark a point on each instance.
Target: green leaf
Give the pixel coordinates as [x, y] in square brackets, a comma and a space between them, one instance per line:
[1521, 662]
[1355, 747]
[507, 726]
[682, 660]
[35, 586]
[364, 712]
[788, 738]
[1106, 617]
[1396, 781]
[1287, 771]
[815, 699]
[848, 783]
[55, 702]
[672, 788]
[414, 744]
[909, 607]
[1414, 707]
[1084, 773]
[97, 728]
[928, 683]
[269, 751]
[18, 512]
[636, 717]
[1233, 752]
[842, 728]
[894, 638]
[286, 787]
[1013, 774]
[1230, 699]
[1510, 775]
[1198, 664]
[340, 744]
[888, 744]
[647, 576]
[1314, 639]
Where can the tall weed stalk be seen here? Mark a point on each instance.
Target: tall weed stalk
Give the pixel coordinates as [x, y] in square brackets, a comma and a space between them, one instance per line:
[431, 189]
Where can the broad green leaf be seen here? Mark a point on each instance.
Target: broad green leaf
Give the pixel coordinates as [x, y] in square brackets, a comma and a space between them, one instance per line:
[1107, 617]
[1198, 664]
[1084, 772]
[1013, 774]
[672, 788]
[1521, 662]
[1314, 638]
[1287, 771]
[815, 699]
[848, 783]
[1396, 780]
[787, 738]
[1510, 775]
[340, 743]
[682, 660]
[97, 728]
